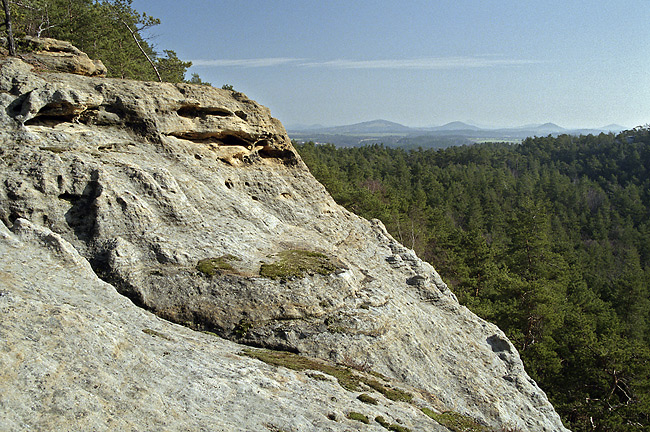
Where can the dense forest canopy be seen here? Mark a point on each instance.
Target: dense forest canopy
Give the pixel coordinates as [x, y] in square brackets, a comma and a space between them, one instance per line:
[107, 30]
[549, 239]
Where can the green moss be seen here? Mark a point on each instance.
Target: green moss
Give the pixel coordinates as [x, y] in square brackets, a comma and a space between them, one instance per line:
[318, 377]
[213, 266]
[367, 399]
[398, 428]
[297, 264]
[456, 422]
[382, 421]
[358, 417]
[393, 394]
[346, 378]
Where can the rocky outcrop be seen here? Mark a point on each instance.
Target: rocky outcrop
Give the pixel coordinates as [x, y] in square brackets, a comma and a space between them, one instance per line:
[192, 202]
[61, 56]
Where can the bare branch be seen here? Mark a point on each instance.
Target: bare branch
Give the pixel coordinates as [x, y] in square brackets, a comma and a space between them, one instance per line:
[135, 38]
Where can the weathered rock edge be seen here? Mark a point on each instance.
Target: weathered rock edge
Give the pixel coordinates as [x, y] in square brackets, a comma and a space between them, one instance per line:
[147, 179]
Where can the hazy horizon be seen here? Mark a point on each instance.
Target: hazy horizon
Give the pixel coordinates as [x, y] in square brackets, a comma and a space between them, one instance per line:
[421, 64]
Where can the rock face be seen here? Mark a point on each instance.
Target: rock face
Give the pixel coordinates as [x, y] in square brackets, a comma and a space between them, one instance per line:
[61, 56]
[192, 202]
[77, 356]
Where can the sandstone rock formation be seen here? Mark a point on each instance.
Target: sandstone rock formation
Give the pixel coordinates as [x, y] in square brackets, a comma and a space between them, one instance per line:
[55, 55]
[78, 356]
[192, 202]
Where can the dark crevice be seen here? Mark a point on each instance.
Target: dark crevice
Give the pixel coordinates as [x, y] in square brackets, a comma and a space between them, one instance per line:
[192, 111]
[221, 139]
[81, 217]
[287, 156]
[46, 120]
[498, 344]
[234, 140]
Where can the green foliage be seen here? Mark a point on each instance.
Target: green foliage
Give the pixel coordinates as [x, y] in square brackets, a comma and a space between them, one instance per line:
[297, 264]
[228, 87]
[196, 79]
[549, 239]
[171, 68]
[103, 30]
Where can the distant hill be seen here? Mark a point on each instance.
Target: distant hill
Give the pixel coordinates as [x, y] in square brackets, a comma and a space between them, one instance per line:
[369, 127]
[455, 126]
[450, 134]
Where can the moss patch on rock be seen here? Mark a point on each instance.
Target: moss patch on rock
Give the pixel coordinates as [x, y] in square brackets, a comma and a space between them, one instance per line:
[214, 266]
[358, 417]
[456, 422]
[346, 377]
[297, 263]
[367, 399]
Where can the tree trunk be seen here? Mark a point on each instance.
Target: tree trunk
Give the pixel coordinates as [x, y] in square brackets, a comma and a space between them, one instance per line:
[11, 44]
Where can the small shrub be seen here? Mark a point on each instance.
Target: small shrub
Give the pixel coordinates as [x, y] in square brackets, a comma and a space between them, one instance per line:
[358, 417]
[367, 399]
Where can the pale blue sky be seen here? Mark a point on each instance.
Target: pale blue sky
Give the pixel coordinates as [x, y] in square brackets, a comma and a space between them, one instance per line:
[421, 63]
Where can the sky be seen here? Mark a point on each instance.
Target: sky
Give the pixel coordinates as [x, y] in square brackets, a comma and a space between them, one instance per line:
[420, 63]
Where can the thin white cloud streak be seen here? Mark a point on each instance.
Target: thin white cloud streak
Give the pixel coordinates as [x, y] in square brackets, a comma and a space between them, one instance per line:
[247, 63]
[414, 64]
[421, 63]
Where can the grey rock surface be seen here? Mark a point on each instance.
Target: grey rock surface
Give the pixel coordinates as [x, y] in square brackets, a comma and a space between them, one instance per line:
[146, 180]
[77, 356]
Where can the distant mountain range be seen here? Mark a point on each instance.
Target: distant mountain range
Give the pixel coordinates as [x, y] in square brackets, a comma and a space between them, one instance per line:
[454, 133]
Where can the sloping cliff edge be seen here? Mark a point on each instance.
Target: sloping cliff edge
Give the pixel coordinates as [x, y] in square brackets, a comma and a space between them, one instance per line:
[191, 202]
